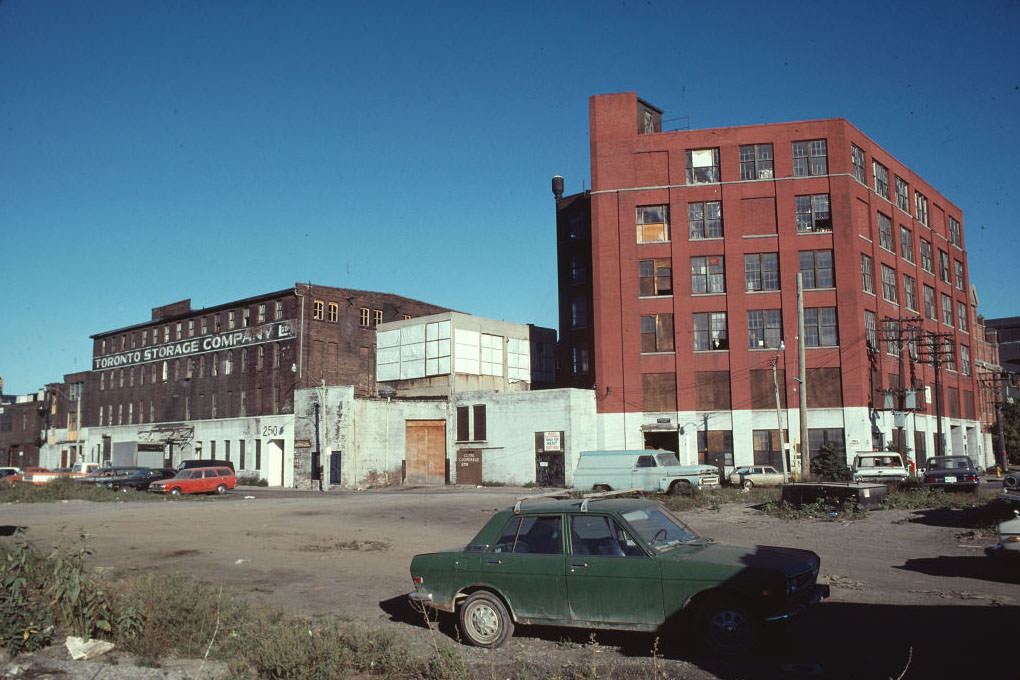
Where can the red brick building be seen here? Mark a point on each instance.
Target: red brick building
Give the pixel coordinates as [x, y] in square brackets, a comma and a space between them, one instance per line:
[697, 239]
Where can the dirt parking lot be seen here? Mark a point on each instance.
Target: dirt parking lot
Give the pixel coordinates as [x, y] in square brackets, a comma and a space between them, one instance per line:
[909, 589]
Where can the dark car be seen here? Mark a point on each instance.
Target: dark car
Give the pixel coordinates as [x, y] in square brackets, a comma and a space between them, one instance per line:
[108, 473]
[612, 563]
[139, 480]
[203, 463]
[950, 472]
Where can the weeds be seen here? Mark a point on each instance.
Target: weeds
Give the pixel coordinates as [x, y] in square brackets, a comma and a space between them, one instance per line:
[63, 489]
[821, 508]
[714, 499]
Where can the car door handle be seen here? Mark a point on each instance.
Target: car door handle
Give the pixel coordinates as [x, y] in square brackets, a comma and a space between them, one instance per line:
[579, 564]
[495, 561]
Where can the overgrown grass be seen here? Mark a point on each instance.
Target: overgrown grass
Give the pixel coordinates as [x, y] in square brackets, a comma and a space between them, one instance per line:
[63, 489]
[714, 499]
[155, 616]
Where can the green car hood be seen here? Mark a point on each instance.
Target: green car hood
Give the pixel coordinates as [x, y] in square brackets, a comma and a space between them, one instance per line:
[714, 558]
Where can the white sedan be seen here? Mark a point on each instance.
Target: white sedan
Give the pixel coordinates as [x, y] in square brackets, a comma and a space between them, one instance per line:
[750, 476]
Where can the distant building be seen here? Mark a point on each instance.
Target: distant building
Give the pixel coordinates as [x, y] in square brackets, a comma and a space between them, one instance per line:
[696, 241]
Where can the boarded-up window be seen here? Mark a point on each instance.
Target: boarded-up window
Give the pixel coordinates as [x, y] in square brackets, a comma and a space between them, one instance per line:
[824, 388]
[657, 333]
[712, 390]
[767, 447]
[920, 454]
[658, 391]
[715, 446]
[479, 414]
[463, 424]
[953, 402]
[759, 215]
[968, 404]
[763, 390]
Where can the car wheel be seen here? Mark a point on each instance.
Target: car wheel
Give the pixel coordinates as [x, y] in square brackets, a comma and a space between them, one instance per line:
[221, 489]
[176, 491]
[679, 487]
[601, 487]
[726, 628]
[1010, 482]
[484, 620]
[748, 484]
[123, 489]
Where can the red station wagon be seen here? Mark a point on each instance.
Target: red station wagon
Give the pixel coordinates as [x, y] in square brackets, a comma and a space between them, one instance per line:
[197, 480]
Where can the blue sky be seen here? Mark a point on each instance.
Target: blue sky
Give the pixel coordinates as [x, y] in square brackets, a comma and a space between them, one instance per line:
[156, 151]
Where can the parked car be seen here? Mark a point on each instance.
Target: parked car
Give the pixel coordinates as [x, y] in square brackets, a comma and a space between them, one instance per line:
[20, 474]
[101, 474]
[204, 462]
[650, 470]
[139, 480]
[1011, 481]
[750, 476]
[8, 471]
[879, 466]
[612, 563]
[950, 472]
[197, 480]
[79, 469]
[1009, 536]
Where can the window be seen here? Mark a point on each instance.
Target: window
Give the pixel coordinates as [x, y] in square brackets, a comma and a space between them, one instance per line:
[318, 310]
[949, 355]
[764, 328]
[867, 274]
[810, 158]
[961, 316]
[702, 166]
[601, 536]
[954, 232]
[892, 338]
[870, 329]
[205, 325]
[906, 244]
[715, 445]
[245, 317]
[909, 293]
[761, 271]
[929, 303]
[231, 316]
[191, 328]
[212, 408]
[926, 257]
[705, 219]
[756, 161]
[820, 327]
[885, 237]
[261, 313]
[902, 195]
[710, 332]
[707, 275]
[478, 415]
[214, 364]
[276, 355]
[921, 201]
[579, 313]
[652, 223]
[889, 288]
[813, 213]
[658, 391]
[947, 310]
[657, 333]
[365, 316]
[964, 359]
[334, 312]
[278, 311]
[228, 363]
[102, 382]
[958, 274]
[655, 277]
[531, 535]
[816, 268]
[881, 179]
[857, 162]
[377, 316]
[944, 266]
[260, 357]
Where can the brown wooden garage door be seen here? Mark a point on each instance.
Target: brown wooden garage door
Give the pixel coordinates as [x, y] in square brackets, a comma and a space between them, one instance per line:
[426, 452]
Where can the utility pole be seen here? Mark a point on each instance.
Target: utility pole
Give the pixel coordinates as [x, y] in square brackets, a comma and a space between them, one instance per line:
[779, 414]
[998, 383]
[802, 377]
[900, 332]
[936, 352]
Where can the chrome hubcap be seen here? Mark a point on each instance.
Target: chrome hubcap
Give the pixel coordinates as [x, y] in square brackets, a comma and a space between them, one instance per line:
[484, 621]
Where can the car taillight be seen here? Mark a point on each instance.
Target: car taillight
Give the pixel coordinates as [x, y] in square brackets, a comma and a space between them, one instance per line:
[929, 480]
[417, 580]
[970, 478]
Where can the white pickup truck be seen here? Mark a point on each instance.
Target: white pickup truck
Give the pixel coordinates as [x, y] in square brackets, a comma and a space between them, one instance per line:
[646, 470]
[879, 466]
[79, 469]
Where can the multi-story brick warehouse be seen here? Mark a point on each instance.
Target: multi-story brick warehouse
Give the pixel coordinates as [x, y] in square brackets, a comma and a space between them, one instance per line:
[186, 381]
[696, 241]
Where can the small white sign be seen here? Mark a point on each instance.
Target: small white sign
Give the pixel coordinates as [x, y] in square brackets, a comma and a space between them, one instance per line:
[552, 442]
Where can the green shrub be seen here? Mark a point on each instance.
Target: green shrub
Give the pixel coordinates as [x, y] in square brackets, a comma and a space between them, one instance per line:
[251, 480]
[60, 489]
[830, 464]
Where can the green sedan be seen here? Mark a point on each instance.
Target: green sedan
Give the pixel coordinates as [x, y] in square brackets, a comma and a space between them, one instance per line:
[612, 563]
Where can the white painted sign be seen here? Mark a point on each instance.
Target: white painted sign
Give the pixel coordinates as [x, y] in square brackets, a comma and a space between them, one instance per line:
[552, 442]
[243, 337]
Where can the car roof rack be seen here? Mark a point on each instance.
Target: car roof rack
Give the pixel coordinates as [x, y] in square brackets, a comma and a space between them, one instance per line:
[565, 493]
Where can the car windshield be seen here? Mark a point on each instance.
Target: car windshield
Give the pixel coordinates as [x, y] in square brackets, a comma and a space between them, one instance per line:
[667, 459]
[659, 529]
